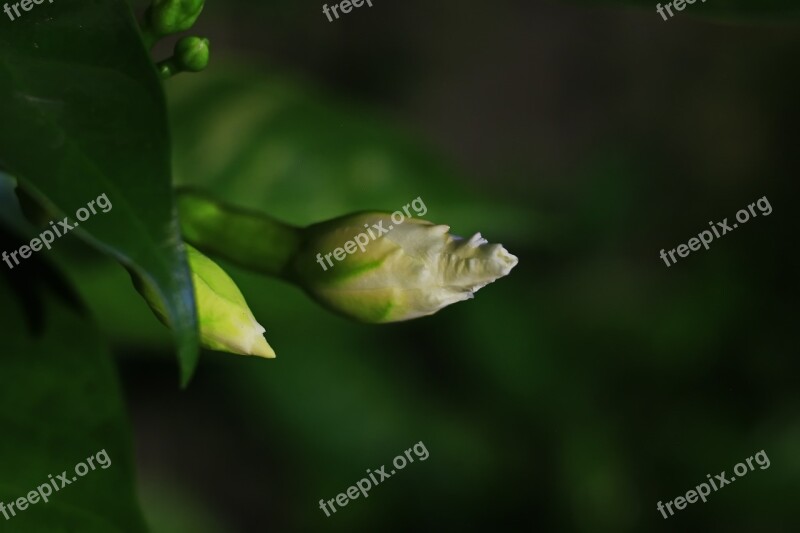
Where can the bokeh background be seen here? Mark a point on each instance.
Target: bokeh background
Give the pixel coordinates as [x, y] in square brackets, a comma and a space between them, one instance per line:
[572, 395]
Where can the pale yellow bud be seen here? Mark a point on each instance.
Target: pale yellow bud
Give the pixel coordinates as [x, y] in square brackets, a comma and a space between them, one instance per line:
[366, 267]
[225, 320]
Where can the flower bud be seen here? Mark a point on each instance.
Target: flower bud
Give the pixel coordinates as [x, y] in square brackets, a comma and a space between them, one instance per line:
[191, 54]
[365, 267]
[226, 322]
[165, 17]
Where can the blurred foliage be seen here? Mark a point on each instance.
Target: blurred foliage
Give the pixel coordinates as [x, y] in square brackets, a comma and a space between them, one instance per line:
[572, 396]
[271, 144]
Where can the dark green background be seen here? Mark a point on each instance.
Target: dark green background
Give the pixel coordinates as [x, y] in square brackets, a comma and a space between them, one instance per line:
[570, 396]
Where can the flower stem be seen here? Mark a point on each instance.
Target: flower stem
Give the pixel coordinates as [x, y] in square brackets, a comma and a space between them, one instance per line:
[249, 239]
[168, 68]
[148, 37]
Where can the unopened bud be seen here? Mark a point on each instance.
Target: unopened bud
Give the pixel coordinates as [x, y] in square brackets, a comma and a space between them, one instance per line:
[165, 17]
[413, 270]
[191, 53]
[225, 320]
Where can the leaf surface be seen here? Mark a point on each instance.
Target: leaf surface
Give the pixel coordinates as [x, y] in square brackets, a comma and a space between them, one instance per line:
[82, 114]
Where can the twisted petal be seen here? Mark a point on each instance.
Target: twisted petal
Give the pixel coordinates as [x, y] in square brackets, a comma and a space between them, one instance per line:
[413, 269]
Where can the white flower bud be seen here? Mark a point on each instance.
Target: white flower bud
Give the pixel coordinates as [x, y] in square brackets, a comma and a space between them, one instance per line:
[396, 271]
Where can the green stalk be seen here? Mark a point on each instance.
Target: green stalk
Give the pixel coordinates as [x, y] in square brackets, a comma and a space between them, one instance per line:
[246, 238]
[148, 37]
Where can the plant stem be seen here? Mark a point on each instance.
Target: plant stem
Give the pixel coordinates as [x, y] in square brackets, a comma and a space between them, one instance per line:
[247, 238]
[168, 68]
[150, 39]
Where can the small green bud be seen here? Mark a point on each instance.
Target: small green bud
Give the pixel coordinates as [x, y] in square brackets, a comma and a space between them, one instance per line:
[413, 269]
[191, 53]
[165, 17]
[225, 320]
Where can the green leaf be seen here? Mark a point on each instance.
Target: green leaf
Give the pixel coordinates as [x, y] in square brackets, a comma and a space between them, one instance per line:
[60, 404]
[87, 117]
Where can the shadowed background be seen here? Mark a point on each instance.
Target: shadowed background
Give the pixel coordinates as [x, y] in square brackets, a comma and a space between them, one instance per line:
[570, 396]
